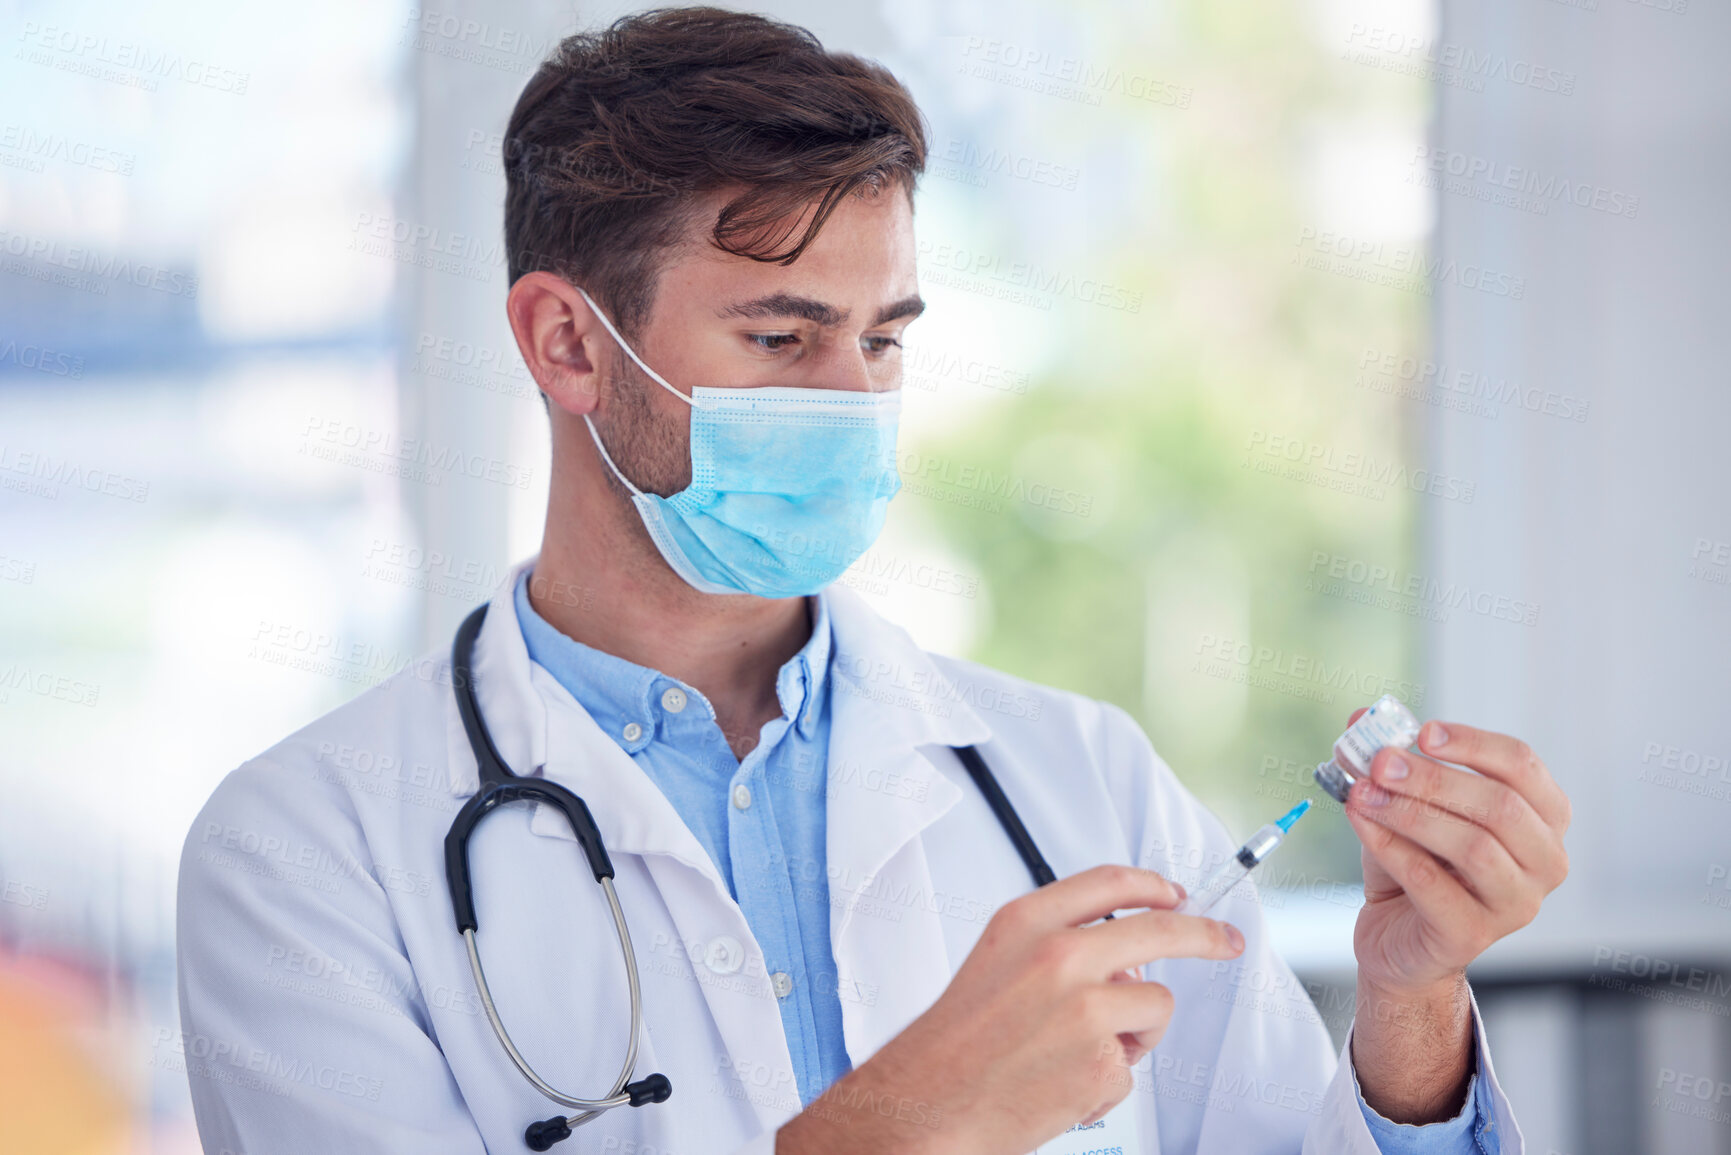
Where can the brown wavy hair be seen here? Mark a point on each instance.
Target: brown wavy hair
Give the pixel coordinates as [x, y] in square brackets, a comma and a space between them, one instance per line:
[622, 131]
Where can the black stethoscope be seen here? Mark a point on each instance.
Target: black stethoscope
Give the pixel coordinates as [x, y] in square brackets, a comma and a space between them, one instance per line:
[499, 786]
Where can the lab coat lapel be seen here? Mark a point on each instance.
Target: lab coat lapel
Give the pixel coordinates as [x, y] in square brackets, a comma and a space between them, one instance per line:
[891, 715]
[539, 729]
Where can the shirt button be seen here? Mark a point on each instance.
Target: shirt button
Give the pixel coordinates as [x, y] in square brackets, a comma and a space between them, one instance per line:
[633, 731]
[741, 796]
[724, 955]
[782, 982]
[673, 699]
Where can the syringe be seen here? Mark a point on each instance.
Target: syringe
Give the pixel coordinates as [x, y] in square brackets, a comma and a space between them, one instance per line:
[1230, 873]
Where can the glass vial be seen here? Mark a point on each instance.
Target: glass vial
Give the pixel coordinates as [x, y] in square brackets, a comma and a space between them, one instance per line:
[1387, 723]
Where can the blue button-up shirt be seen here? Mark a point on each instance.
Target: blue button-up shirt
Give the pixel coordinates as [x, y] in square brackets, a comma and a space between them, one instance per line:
[1469, 1133]
[761, 819]
[770, 850]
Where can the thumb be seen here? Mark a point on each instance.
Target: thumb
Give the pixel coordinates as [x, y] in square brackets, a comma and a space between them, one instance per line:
[1135, 1044]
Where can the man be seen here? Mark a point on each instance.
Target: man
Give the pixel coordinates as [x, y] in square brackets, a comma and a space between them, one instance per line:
[840, 947]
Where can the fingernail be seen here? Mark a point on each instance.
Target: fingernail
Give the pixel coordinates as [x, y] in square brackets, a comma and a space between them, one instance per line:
[1182, 893]
[1370, 794]
[1235, 937]
[1395, 768]
[1438, 735]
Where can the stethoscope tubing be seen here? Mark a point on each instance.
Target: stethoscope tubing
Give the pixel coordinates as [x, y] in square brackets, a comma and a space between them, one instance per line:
[499, 786]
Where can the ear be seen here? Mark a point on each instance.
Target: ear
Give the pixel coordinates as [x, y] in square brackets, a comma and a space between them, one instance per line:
[560, 339]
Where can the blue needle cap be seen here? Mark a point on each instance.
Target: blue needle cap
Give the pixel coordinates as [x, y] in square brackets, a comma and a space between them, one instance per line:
[1293, 815]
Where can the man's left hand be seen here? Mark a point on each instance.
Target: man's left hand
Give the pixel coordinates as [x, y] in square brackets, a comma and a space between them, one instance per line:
[1453, 861]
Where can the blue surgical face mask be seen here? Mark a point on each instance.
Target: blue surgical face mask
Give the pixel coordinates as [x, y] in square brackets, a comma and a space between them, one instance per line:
[788, 486]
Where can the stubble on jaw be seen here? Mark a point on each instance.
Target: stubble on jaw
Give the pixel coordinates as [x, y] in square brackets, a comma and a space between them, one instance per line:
[651, 448]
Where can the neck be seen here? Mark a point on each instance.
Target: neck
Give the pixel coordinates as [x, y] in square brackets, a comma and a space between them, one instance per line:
[601, 581]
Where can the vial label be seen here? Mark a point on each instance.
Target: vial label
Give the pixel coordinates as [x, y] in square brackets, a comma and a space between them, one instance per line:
[1387, 723]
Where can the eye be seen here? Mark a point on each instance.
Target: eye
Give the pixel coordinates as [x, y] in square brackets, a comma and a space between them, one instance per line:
[772, 341]
[880, 345]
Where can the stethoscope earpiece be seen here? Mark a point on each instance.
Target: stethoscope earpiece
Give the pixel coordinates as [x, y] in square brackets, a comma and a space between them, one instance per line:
[651, 1089]
[544, 1134]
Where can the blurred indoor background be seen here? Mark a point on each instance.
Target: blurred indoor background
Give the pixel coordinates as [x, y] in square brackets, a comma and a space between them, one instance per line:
[1279, 354]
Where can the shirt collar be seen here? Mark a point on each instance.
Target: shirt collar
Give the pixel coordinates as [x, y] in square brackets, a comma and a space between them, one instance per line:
[618, 693]
[810, 667]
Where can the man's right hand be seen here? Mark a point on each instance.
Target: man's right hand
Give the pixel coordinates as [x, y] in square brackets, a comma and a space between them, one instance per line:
[1036, 1032]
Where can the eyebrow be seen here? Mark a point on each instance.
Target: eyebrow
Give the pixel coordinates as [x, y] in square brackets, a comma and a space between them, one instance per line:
[819, 312]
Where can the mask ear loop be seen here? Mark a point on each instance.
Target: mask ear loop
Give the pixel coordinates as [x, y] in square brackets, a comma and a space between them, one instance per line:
[653, 376]
[608, 458]
[632, 353]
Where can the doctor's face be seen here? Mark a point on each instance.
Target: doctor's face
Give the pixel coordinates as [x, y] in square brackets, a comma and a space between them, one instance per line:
[833, 319]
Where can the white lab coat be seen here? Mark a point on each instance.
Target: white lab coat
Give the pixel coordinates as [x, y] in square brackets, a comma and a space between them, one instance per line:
[325, 996]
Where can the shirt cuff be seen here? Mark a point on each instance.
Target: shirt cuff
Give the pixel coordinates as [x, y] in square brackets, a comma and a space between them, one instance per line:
[1468, 1133]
